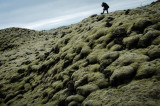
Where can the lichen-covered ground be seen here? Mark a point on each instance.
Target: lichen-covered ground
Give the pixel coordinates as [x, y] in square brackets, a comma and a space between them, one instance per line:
[104, 60]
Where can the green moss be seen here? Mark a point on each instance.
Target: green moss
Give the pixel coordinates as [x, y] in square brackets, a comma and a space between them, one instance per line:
[60, 97]
[85, 51]
[70, 56]
[76, 98]
[141, 24]
[107, 58]
[131, 42]
[98, 79]
[92, 59]
[109, 45]
[99, 34]
[156, 41]
[92, 103]
[76, 58]
[128, 58]
[146, 70]
[35, 67]
[100, 17]
[148, 38]
[122, 75]
[23, 69]
[119, 32]
[85, 90]
[94, 68]
[79, 74]
[73, 103]
[58, 85]
[105, 39]
[100, 46]
[116, 47]
[154, 51]
[81, 63]
[27, 87]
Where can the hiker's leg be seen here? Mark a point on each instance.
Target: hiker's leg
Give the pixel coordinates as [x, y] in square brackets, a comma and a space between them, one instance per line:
[103, 11]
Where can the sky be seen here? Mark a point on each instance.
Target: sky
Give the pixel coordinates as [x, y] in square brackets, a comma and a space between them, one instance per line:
[49, 14]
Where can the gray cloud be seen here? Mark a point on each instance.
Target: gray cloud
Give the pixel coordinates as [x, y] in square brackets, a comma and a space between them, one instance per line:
[50, 14]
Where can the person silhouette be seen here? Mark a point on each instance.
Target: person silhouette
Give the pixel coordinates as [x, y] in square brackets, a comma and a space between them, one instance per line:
[105, 7]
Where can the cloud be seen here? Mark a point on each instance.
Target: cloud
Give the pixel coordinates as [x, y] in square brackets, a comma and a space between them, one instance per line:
[58, 20]
[51, 14]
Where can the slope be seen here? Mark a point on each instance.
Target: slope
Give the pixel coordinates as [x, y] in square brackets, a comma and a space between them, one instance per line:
[110, 59]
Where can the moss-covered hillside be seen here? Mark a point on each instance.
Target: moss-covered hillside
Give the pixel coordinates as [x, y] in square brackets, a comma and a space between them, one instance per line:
[104, 60]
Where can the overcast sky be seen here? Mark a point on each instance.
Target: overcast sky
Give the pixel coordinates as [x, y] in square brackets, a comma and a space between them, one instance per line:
[48, 14]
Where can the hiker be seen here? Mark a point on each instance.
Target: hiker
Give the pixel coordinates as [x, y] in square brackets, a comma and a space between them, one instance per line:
[105, 7]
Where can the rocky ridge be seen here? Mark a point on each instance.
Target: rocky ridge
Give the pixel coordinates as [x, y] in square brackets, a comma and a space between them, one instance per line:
[104, 60]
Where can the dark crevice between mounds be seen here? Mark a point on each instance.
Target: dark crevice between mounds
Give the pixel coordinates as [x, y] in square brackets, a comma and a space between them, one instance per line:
[120, 24]
[55, 49]
[16, 78]
[51, 64]
[66, 41]
[108, 24]
[118, 35]
[104, 64]
[62, 103]
[100, 17]
[67, 63]
[71, 88]
[9, 47]
[2, 95]
[147, 39]
[91, 45]
[120, 32]
[156, 55]
[46, 54]
[123, 80]
[75, 67]
[83, 55]
[1, 63]
[107, 73]
[119, 40]
[140, 25]
[109, 21]
[149, 75]
[127, 12]
[69, 83]
[78, 50]
[70, 91]
[63, 34]
[40, 70]
[13, 95]
[9, 97]
[108, 41]
[43, 69]
[120, 82]
[132, 45]
[46, 97]
[146, 70]
[91, 61]
[82, 81]
[26, 62]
